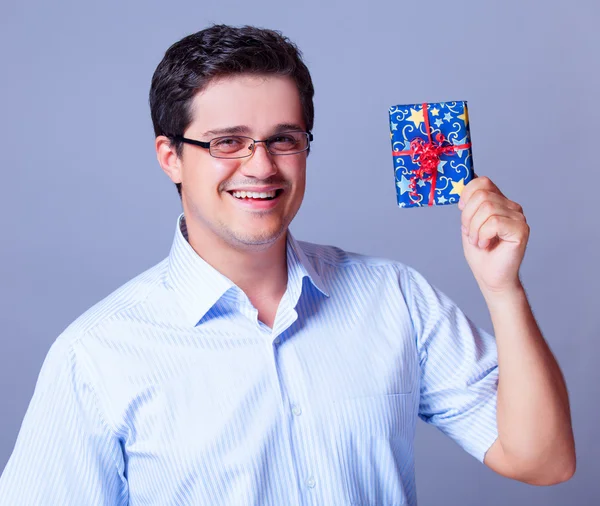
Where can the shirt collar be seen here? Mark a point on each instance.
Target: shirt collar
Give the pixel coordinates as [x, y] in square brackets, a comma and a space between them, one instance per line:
[200, 286]
[300, 267]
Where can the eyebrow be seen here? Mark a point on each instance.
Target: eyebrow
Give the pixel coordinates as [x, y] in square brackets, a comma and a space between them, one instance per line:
[244, 130]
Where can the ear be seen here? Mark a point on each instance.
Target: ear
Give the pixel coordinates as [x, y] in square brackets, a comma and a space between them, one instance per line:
[167, 158]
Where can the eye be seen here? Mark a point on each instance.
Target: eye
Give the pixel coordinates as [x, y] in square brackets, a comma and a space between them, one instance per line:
[228, 145]
[228, 141]
[284, 140]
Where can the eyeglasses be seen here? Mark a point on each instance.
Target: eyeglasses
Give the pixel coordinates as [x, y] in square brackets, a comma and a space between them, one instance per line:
[239, 146]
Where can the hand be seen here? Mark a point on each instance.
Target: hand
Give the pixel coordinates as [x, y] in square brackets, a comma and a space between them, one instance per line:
[494, 235]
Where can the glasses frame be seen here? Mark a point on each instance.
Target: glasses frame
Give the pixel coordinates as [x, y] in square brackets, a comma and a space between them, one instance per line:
[252, 147]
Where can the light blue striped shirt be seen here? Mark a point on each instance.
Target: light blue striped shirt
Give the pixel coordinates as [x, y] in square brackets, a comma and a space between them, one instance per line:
[170, 391]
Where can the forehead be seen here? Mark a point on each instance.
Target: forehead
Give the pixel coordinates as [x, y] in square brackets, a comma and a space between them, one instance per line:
[259, 102]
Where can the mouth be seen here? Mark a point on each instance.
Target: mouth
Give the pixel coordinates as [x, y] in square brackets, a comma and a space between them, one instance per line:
[256, 196]
[257, 201]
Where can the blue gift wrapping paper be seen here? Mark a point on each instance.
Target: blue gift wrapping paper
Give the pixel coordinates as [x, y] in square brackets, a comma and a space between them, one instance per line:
[408, 123]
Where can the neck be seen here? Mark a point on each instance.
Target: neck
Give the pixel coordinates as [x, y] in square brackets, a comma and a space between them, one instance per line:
[259, 271]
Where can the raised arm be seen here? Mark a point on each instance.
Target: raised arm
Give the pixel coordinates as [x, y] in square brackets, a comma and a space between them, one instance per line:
[535, 443]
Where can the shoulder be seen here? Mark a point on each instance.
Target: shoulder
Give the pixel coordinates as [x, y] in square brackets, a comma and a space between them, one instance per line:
[126, 297]
[327, 258]
[338, 257]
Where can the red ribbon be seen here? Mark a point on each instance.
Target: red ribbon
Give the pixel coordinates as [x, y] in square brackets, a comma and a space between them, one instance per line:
[426, 155]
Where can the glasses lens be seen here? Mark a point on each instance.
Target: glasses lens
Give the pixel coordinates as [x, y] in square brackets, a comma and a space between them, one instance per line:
[236, 146]
[230, 147]
[287, 143]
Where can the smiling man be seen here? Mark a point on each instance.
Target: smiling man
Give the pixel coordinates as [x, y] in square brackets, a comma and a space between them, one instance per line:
[239, 195]
[250, 368]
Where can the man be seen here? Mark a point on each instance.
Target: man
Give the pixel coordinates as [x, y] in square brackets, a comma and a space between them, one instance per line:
[252, 368]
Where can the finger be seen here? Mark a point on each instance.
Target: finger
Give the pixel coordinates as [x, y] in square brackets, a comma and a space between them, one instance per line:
[486, 211]
[490, 199]
[480, 183]
[505, 228]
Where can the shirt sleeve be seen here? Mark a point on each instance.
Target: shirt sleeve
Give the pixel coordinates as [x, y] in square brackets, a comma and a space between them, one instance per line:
[65, 452]
[459, 369]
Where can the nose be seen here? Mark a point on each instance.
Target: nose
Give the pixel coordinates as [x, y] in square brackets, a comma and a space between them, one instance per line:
[260, 163]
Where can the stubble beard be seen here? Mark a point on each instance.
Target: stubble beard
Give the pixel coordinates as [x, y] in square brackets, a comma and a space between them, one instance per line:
[258, 240]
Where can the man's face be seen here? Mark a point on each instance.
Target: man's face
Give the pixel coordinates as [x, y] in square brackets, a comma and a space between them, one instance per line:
[258, 106]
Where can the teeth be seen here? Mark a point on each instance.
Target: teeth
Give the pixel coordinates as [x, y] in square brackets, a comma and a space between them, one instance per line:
[253, 195]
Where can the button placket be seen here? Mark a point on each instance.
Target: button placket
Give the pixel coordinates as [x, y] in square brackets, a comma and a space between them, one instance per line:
[298, 431]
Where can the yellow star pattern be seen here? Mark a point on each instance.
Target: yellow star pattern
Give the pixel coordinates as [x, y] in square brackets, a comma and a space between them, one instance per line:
[435, 111]
[464, 116]
[457, 188]
[416, 117]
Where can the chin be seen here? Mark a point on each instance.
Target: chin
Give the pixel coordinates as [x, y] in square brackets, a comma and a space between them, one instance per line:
[260, 238]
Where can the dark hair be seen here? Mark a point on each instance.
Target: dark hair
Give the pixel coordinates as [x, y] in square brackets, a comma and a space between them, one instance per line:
[221, 50]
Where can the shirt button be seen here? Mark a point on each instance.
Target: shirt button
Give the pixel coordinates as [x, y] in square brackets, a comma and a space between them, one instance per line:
[277, 340]
[310, 483]
[296, 410]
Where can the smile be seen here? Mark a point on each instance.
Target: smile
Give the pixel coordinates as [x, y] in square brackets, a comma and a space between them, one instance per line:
[270, 195]
[256, 201]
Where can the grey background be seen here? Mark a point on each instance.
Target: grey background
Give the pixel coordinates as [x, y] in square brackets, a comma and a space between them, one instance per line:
[84, 205]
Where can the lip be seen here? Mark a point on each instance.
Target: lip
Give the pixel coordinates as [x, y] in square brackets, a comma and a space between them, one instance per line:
[261, 205]
[256, 189]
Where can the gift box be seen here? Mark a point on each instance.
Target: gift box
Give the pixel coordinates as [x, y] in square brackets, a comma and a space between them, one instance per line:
[431, 148]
